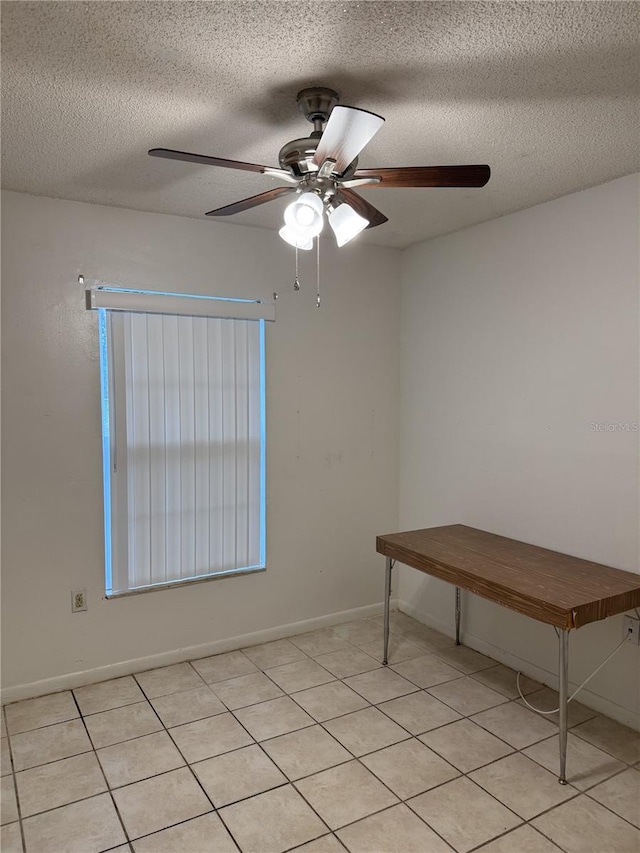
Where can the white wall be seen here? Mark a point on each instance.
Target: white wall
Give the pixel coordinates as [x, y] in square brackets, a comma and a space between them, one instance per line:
[331, 419]
[516, 335]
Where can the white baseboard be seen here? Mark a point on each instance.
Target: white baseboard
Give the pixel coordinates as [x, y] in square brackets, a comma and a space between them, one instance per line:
[550, 679]
[115, 670]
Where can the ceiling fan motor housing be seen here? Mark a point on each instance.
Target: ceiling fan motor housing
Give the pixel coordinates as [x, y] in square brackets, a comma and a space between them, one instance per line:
[316, 103]
[297, 156]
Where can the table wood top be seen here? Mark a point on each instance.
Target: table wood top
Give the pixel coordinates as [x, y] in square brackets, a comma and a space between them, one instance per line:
[546, 585]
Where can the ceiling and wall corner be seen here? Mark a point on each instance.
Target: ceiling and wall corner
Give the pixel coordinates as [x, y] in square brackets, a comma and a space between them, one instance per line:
[546, 93]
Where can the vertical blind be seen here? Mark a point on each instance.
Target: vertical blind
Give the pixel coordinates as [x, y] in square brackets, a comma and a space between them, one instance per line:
[185, 413]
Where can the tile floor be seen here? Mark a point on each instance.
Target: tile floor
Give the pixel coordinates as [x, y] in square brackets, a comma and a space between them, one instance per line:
[309, 744]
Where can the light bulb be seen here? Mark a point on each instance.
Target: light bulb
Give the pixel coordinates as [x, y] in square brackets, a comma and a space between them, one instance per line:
[345, 223]
[304, 215]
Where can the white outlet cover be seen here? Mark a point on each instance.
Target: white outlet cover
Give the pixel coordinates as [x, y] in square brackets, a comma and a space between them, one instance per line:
[74, 602]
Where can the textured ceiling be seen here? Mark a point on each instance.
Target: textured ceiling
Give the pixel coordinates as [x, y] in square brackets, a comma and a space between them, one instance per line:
[546, 93]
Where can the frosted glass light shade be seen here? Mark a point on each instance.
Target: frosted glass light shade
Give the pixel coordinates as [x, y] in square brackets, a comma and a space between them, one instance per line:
[300, 242]
[304, 215]
[346, 223]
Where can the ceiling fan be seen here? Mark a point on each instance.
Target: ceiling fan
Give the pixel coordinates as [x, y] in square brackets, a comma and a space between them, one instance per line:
[322, 171]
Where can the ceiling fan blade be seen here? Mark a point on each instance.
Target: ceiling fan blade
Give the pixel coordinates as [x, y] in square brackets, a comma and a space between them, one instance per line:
[428, 176]
[348, 130]
[361, 206]
[170, 154]
[253, 201]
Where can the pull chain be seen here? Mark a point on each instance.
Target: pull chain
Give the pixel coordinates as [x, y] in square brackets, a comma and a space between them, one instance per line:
[317, 272]
[296, 281]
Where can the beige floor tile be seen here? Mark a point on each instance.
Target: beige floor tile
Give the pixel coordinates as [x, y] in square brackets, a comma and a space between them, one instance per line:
[515, 724]
[400, 649]
[467, 696]
[44, 711]
[319, 642]
[621, 794]
[428, 639]
[187, 706]
[95, 828]
[465, 659]
[583, 826]
[8, 802]
[3, 729]
[503, 679]
[223, 667]
[133, 760]
[306, 751]
[52, 743]
[360, 632]
[463, 814]
[168, 679]
[11, 839]
[347, 662]
[586, 764]
[238, 775]
[522, 785]
[108, 694]
[274, 654]
[547, 699]
[273, 718]
[326, 844]
[160, 802]
[345, 794]
[419, 712]
[246, 690]
[614, 738]
[427, 671]
[409, 768]
[122, 724]
[366, 730]
[466, 745]
[395, 830]
[300, 675]
[211, 736]
[380, 685]
[330, 700]
[272, 822]
[60, 783]
[525, 839]
[399, 622]
[205, 834]
[5, 757]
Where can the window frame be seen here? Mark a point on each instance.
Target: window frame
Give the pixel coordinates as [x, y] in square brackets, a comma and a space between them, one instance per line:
[106, 299]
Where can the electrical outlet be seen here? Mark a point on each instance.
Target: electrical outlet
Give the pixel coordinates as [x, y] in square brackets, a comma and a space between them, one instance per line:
[631, 630]
[78, 600]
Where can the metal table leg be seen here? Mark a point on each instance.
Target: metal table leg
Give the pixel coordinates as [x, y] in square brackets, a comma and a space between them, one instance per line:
[457, 616]
[387, 598]
[563, 642]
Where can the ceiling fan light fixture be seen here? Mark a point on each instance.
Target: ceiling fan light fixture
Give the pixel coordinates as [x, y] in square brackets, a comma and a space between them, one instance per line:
[299, 242]
[304, 215]
[345, 223]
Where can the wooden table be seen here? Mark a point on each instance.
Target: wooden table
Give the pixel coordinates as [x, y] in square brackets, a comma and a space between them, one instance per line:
[563, 591]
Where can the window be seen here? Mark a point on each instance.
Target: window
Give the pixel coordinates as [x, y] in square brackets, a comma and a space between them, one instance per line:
[183, 399]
